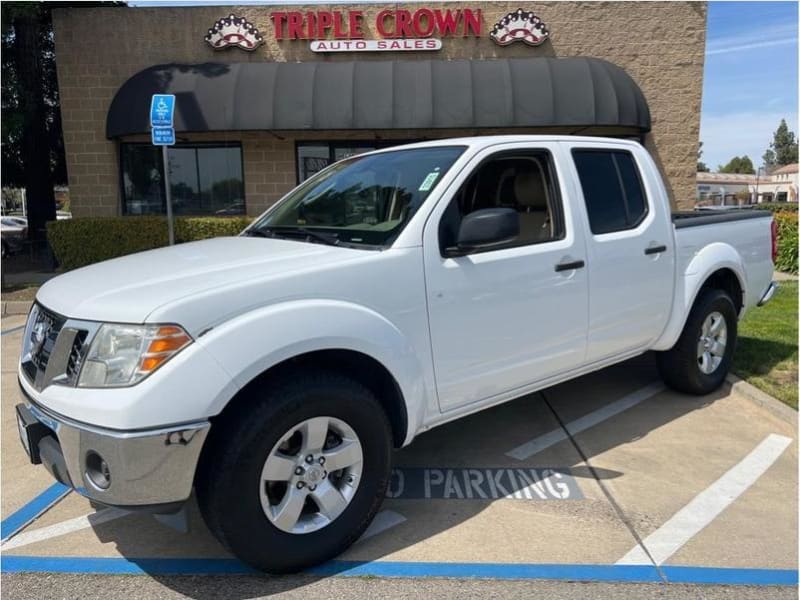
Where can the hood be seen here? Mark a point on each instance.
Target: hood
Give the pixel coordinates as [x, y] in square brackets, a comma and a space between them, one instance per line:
[130, 288]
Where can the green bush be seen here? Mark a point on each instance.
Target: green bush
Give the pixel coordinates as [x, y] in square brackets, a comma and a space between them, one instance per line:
[787, 242]
[776, 207]
[80, 242]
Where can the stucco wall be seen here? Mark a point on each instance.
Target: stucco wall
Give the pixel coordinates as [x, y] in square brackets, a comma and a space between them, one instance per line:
[660, 44]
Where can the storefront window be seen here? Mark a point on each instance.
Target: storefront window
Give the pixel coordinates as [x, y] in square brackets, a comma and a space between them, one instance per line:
[312, 157]
[204, 180]
[142, 191]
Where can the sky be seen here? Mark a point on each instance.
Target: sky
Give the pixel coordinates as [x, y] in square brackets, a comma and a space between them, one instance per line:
[750, 78]
[750, 81]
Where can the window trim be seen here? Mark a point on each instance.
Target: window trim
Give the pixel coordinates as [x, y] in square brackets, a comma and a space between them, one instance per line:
[637, 172]
[556, 197]
[204, 144]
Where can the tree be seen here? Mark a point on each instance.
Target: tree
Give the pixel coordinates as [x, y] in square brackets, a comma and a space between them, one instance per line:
[701, 166]
[738, 164]
[33, 152]
[783, 148]
[32, 141]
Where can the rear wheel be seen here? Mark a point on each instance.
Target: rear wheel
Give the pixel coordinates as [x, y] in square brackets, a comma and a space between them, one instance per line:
[701, 358]
[297, 478]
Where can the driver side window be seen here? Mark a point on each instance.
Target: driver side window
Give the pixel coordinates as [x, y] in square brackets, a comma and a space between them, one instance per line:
[523, 181]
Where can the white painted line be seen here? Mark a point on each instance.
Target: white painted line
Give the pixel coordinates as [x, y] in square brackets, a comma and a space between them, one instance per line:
[63, 528]
[538, 444]
[386, 519]
[708, 504]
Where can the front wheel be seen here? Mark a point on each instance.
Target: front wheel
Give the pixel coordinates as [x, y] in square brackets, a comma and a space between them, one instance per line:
[701, 358]
[295, 478]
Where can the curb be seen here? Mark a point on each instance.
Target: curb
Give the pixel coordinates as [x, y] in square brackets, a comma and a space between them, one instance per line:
[762, 399]
[16, 307]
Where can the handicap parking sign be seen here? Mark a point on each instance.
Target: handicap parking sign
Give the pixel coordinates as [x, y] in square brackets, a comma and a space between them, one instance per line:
[162, 108]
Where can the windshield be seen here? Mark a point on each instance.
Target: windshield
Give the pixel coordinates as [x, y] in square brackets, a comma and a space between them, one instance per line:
[364, 200]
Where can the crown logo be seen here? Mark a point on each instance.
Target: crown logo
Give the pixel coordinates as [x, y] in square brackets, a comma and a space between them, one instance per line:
[234, 31]
[519, 26]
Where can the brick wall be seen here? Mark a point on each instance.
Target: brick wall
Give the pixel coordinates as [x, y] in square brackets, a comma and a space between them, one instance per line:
[660, 44]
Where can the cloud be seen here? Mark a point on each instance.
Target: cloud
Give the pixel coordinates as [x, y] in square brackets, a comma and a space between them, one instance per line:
[751, 46]
[735, 134]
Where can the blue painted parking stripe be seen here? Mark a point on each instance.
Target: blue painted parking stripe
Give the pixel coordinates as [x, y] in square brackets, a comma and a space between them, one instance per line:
[15, 522]
[12, 330]
[568, 572]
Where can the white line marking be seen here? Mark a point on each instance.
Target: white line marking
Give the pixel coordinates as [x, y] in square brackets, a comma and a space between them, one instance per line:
[546, 440]
[65, 527]
[386, 519]
[708, 504]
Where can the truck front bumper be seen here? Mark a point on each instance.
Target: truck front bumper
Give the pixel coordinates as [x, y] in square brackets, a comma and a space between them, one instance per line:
[147, 470]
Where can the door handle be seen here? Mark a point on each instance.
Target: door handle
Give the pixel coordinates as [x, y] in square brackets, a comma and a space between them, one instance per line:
[655, 249]
[570, 266]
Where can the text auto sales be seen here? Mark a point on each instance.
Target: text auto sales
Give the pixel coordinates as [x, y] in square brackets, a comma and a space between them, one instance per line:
[400, 29]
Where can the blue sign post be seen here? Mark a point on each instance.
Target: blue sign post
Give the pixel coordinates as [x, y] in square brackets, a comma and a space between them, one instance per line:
[162, 131]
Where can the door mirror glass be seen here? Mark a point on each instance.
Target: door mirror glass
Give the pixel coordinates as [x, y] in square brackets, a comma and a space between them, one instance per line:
[485, 228]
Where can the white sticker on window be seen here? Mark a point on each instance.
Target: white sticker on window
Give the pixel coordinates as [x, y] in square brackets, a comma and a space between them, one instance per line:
[428, 182]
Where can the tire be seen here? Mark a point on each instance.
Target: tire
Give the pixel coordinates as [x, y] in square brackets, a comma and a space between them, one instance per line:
[682, 368]
[232, 494]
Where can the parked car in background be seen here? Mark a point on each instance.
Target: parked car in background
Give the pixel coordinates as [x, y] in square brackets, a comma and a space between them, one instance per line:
[392, 292]
[13, 231]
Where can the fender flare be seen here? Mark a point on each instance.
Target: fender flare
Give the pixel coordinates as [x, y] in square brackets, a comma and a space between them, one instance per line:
[256, 341]
[710, 259]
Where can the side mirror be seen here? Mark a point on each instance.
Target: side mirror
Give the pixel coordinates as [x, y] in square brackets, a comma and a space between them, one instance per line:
[484, 229]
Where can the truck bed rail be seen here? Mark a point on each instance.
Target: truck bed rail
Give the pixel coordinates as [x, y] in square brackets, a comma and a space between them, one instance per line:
[698, 218]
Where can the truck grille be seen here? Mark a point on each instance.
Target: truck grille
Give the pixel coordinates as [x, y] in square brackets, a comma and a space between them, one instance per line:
[52, 349]
[76, 357]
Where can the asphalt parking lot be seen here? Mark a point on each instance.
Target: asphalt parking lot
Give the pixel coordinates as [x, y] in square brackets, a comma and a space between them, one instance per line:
[609, 478]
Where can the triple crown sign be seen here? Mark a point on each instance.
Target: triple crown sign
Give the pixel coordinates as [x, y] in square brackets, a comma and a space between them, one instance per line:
[162, 110]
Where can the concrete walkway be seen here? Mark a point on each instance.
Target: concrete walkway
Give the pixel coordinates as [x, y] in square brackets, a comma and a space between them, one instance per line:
[779, 276]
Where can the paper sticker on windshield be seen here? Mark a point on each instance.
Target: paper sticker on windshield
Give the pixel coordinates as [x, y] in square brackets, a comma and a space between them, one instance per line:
[428, 182]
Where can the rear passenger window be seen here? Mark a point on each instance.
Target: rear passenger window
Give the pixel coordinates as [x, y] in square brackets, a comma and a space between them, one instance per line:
[612, 189]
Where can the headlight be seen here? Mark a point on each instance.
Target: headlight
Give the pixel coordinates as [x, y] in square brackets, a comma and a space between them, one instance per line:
[122, 355]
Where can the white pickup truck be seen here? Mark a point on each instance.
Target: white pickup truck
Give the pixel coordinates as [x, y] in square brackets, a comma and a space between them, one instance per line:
[274, 372]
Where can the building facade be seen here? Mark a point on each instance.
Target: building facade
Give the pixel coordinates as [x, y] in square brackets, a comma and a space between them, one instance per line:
[736, 189]
[268, 95]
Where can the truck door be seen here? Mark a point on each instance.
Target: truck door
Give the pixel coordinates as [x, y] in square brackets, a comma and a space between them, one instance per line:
[505, 317]
[630, 248]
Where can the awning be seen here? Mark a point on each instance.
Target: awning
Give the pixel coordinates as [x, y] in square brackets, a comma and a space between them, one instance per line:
[414, 94]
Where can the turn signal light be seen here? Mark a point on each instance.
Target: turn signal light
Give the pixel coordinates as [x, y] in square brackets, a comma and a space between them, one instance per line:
[167, 341]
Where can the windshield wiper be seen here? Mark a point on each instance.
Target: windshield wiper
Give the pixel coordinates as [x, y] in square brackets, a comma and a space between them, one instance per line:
[330, 239]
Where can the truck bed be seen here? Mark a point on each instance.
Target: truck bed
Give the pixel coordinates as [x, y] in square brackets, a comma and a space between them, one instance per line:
[699, 218]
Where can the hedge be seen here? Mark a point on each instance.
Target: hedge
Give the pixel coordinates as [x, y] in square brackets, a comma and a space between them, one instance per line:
[777, 207]
[80, 242]
[787, 242]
